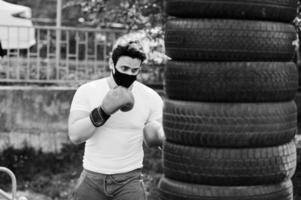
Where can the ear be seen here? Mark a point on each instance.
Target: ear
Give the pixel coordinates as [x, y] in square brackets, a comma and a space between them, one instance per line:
[111, 65]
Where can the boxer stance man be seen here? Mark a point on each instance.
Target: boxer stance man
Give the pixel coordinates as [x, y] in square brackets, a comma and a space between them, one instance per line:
[113, 116]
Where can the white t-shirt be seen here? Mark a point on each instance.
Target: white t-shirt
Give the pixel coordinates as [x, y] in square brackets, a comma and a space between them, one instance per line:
[116, 147]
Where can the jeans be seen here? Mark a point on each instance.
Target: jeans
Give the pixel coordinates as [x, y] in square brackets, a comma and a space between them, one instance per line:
[96, 186]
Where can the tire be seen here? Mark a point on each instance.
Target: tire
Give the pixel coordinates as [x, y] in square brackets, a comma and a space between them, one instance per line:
[173, 190]
[270, 10]
[229, 125]
[231, 81]
[229, 166]
[229, 40]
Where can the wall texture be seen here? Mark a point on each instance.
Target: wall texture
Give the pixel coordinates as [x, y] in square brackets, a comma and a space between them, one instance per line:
[34, 116]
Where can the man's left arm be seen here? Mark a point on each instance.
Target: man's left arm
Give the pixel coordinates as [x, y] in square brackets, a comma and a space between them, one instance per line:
[153, 131]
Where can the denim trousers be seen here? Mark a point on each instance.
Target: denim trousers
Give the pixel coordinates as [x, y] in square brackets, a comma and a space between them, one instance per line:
[123, 186]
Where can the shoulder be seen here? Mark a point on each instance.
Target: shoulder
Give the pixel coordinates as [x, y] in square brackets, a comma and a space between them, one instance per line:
[146, 90]
[95, 84]
[149, 95]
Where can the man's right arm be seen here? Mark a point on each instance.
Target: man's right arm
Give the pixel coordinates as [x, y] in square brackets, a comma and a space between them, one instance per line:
[80, 127]
[82, 124]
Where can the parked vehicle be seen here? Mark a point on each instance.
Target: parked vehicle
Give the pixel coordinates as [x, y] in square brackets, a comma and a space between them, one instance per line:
[16, 28]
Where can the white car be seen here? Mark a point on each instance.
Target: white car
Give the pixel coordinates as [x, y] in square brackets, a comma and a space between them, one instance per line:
[16, 28]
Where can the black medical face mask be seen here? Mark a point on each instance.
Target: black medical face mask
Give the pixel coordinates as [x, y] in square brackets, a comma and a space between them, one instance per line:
[123, 79]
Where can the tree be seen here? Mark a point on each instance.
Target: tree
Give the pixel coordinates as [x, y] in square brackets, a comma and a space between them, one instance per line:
[144, 18]
[128, 14]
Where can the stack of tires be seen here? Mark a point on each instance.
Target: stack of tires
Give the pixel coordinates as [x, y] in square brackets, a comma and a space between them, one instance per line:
[230, 116]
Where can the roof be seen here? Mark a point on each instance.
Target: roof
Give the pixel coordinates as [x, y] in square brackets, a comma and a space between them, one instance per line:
[13, 8]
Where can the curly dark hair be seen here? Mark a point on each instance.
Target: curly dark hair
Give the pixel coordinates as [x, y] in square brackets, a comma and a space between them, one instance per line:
[132, 49]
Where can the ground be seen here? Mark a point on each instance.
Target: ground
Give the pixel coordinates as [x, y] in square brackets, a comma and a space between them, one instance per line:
[39, 180]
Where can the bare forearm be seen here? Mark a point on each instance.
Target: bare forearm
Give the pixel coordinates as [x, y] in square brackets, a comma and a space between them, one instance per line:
[81, 130]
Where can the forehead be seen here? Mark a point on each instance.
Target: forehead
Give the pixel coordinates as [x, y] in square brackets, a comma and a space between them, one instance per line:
[129, 62]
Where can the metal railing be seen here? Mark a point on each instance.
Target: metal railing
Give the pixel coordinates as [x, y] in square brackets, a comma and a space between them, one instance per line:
[13, 195]
[14, 184]
[82, 54]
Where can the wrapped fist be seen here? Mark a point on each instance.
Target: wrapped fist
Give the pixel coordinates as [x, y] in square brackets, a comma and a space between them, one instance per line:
[153, 134]
[118, 98]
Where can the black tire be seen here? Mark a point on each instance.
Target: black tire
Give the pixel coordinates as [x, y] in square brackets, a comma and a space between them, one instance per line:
[229, 166]
[231, 81]
[229, 125]
[229, 40]
[270, 10]
[174, 190]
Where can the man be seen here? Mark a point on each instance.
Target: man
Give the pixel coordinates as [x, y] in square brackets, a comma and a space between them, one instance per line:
[113, 115]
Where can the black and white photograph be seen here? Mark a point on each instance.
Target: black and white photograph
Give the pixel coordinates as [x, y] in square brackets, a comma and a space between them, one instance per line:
[150, 99]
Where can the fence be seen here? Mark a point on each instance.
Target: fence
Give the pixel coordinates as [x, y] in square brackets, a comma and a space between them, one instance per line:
[63, 56]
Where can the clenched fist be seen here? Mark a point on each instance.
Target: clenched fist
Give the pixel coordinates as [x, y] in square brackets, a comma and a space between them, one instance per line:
[153, 134]
[118, 98]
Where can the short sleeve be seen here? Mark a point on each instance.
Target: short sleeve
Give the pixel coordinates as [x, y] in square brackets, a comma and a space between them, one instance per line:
[156, 107]
[80, 100]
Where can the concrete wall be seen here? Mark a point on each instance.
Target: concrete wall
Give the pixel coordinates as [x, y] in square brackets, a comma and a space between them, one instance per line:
[34, 116]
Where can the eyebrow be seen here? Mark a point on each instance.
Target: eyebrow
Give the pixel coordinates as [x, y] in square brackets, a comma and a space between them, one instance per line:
[130, 67]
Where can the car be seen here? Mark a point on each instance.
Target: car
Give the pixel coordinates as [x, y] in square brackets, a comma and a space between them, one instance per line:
[16, 28]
